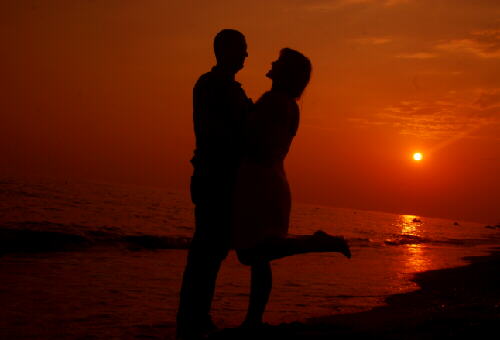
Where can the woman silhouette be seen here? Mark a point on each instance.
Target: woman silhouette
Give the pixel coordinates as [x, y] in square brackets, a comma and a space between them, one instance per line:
[262, 198]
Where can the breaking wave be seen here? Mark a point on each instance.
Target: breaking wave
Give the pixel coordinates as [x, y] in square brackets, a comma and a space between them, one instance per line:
[46, 236]
[402, 239]
[407, 239]
[29, 237]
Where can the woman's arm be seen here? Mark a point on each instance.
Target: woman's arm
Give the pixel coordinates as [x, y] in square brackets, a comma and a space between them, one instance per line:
[271, 128]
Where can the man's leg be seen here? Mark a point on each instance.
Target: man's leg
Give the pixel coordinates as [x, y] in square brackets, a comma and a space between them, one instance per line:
[208, 249]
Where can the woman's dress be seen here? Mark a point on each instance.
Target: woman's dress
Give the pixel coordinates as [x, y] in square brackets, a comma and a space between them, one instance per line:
[262, 198]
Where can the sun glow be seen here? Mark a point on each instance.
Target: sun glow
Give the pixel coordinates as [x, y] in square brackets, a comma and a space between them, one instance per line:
[417, 156]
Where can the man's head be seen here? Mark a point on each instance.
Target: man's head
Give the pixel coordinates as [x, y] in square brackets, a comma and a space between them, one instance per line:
[230, 49]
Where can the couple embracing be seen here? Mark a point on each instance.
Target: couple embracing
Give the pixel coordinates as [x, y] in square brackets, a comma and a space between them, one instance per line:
[239, 186]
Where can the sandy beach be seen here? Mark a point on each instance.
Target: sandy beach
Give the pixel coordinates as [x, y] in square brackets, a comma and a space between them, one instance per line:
[453, 303]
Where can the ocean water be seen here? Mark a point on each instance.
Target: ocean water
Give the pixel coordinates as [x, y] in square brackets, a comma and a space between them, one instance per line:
[98, 260]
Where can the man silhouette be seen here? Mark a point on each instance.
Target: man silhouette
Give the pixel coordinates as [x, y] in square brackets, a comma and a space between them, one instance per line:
[219, 109]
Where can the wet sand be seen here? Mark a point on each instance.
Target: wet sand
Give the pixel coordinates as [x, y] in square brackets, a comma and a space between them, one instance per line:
[461, 302]
[73, 296]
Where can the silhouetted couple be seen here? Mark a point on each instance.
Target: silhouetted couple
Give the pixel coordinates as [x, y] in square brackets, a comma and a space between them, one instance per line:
[239, 187]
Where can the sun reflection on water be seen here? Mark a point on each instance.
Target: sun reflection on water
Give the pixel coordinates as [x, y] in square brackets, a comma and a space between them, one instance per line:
[409, 225]
[416, 259]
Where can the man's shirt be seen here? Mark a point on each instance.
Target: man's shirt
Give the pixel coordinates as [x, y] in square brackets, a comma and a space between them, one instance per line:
[220, 107]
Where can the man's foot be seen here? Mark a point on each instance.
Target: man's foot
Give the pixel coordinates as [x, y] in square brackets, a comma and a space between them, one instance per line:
[332, 243]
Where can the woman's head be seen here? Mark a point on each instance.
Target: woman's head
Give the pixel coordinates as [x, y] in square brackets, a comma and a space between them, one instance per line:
[291, 72]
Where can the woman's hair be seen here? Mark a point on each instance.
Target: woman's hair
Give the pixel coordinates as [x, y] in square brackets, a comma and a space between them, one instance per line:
[296, 72]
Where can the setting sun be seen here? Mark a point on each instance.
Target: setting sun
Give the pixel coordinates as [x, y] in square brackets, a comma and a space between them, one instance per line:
[417, 156]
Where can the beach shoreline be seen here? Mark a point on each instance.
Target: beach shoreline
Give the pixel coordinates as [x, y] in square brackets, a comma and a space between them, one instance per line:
[450, 303]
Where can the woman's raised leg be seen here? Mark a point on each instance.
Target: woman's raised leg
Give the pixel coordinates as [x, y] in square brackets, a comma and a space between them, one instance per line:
[297, 244]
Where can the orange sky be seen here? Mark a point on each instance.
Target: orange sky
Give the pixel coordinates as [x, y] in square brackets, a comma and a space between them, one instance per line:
[102, 90]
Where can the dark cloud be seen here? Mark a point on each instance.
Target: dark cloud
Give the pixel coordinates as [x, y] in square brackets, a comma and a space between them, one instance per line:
[489, 99]
[483, 44]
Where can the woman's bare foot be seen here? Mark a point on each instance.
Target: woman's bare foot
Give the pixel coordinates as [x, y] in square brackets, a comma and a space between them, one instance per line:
[254, 325]
[332, 243]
